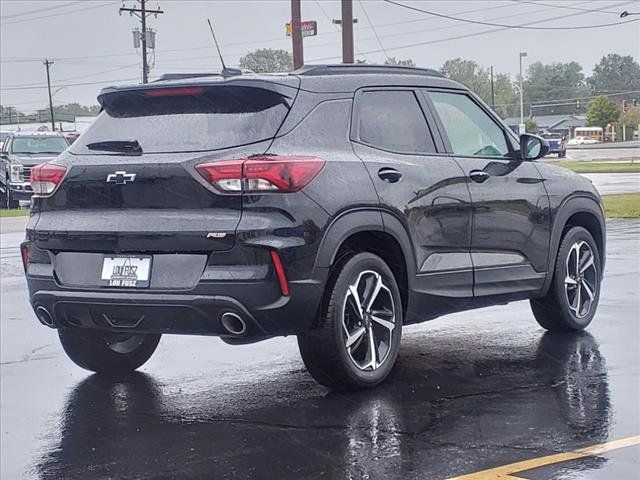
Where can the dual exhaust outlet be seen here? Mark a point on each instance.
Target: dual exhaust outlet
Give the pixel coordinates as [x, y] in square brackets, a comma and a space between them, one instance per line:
[231, 322]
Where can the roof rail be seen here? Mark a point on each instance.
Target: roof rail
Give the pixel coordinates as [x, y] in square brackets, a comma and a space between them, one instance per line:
[350, 69]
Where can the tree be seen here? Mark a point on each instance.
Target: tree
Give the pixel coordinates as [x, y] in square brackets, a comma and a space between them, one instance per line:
[615, 73]
[405, 63]
[77, 110]
[266, 60]
[530, 126]
[601, 112]
[555, 81]
[630, 118]
[478, 80]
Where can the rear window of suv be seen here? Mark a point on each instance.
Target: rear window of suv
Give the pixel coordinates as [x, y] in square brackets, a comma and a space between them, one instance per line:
[187, 118]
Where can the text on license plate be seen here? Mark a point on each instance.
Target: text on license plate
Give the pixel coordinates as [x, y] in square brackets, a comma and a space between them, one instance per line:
[126, 271]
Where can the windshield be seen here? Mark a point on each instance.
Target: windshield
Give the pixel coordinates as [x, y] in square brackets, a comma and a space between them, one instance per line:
[185, 119]
[38, 145]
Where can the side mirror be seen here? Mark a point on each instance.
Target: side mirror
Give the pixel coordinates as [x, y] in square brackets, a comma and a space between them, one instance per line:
[4, 156]
[532, 147]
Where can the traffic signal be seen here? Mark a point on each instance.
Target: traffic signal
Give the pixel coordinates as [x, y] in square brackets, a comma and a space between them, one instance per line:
[624, 106]
[577, 104]
[635, 102]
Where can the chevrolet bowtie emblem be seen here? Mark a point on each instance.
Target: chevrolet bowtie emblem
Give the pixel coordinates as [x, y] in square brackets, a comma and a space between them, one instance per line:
[121, 177]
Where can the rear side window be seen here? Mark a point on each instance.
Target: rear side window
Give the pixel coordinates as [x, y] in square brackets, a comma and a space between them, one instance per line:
[186, 119]
[392, 120]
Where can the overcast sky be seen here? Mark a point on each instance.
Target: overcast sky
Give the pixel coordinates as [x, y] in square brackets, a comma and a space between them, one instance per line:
[92, 45]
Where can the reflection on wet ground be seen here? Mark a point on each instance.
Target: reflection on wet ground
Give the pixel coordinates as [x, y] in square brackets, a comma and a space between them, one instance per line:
[122, 427]
[470, 392]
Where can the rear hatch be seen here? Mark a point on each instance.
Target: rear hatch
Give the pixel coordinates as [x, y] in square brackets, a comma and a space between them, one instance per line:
[131, 183]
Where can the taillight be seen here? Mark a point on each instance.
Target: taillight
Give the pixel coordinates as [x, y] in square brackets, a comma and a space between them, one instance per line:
[24, 249]
[273, 173]
[45, 178]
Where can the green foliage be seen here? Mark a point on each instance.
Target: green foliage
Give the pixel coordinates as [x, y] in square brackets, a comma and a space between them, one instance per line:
[265, 60]
[478, 80]
[601, 112]
[530, 126]
[405, 63]
[77, 110]
[631, 117]
[615, 73]
[545, 83]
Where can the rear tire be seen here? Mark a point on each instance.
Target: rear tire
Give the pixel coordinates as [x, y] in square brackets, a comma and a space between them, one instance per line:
[361, 314]
[573, 296]
[107, 352]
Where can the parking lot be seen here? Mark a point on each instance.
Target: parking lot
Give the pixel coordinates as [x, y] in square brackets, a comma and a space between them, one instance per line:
[471, 392]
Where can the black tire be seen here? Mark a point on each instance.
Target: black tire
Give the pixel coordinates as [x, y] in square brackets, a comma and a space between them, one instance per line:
[557, 310]
[562, 154]
[324, 350]
[107, 352]
[5, 198]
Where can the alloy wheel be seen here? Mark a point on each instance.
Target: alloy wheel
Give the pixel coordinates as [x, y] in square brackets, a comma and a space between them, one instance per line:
[368, 321]
[581, 279]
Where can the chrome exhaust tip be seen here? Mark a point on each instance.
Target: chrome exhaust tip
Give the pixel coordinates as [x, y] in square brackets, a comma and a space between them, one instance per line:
[233, 323]
[44, 316]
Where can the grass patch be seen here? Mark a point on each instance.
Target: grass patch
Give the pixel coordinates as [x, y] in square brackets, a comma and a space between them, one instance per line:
[626, 205]
[14, 212]
[600, 167]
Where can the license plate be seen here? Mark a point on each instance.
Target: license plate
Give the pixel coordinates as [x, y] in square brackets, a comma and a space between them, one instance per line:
[126, 271]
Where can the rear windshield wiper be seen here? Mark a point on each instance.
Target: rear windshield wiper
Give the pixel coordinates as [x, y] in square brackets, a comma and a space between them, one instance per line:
[128, 147]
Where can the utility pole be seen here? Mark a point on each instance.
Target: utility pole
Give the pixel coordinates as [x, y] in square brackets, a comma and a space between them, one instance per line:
[47, 64]
[347, 31]
[142, 13]
[296, 34]
[493, 95]
[521, 128]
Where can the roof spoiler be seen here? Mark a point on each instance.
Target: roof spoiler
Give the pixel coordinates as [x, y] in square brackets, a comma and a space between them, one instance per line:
[226, 72]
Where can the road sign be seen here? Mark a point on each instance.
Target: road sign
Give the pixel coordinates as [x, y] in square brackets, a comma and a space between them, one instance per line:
[308, 28]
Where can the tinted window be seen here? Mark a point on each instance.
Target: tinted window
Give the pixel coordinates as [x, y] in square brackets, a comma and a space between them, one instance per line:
[470, 130]
[187, 119]
[38, 145]
[393, 120]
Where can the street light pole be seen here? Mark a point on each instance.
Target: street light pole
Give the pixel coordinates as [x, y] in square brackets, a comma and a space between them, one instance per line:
[522, 54]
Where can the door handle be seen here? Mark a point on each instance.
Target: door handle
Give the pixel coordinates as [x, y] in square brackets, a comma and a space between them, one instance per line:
[478, 176]
[389, 175]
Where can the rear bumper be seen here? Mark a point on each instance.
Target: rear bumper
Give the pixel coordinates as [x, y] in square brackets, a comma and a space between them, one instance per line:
[187, 313]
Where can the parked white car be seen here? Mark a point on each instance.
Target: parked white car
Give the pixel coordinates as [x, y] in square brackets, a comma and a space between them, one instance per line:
[582, 141]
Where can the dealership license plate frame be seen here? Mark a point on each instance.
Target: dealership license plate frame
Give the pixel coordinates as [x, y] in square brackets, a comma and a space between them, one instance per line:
[110, 278]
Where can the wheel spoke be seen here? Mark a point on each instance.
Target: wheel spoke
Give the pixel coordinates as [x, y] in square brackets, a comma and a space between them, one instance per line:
[372, 349]
[354, 336]
[588, 290]
[577, 301]
[353, 290]
[587, 263]
[374, 294]
[570, 280]
[385, 323]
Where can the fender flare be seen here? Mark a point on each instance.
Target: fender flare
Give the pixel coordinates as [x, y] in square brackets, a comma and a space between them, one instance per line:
[569, 207]
[364, 220]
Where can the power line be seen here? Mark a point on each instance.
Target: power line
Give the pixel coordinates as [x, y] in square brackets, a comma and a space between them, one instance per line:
[502, 25]
[38, 84]
[29, 12]
[102, 82]
[373, 28]
[577, 9]
[57, 14]
[460, 37]
[571, 101]
[259, 42]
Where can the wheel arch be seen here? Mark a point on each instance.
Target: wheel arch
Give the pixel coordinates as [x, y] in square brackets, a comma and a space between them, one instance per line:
[373, 231]
[577, 211]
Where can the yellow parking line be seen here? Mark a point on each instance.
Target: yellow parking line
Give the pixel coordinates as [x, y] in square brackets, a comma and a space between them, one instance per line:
[506, 472]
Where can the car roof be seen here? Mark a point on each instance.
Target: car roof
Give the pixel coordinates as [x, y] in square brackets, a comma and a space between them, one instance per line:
[325, 78]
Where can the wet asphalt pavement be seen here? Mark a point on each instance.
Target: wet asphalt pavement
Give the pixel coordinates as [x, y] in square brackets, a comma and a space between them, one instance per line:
[470, 391]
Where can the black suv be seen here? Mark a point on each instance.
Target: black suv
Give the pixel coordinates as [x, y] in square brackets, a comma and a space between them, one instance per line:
[335, 203]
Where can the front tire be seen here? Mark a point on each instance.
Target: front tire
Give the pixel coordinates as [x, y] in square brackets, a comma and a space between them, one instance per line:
[356, 341]
[107, 352]
[573, 296]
